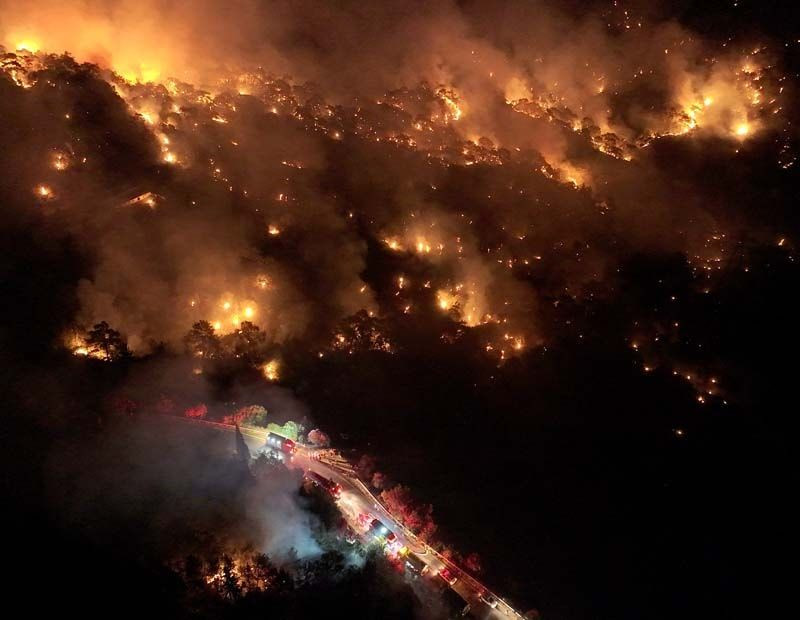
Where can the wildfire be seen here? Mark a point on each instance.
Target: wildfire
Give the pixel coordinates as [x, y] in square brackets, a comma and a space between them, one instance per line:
[729, 100]
[445, 300]
[517, 342]
[219, 577]
[270, 370]
[60, 161]
[27, 45]
[393, 244]
[451, 102]
[44, 192]
[237, 310]
[571, 174]
[423, 247]
[77, 345]
[742, 130]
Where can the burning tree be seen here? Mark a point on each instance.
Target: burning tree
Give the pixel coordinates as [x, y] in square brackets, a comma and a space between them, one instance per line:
[361, 332]
[202, 341]
[225, 579]
[248, 342]
[106, 343]
[260, 574]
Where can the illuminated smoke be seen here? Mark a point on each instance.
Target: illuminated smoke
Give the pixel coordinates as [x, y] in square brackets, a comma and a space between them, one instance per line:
[549, 141]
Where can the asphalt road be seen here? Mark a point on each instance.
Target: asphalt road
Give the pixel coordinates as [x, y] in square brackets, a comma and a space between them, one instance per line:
[356, 499]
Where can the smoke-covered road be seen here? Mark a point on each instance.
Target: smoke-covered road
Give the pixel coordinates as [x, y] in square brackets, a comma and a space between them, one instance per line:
[356, 499]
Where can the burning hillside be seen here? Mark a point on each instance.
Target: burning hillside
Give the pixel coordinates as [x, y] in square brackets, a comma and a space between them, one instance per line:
[258, 198]
[531, 256]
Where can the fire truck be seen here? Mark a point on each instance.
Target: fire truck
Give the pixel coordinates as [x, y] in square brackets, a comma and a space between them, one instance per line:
[281, 444]
[326, 483]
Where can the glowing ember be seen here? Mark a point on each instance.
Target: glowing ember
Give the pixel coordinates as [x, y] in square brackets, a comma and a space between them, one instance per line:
[60, 161]
[393, 244]
[45, 192]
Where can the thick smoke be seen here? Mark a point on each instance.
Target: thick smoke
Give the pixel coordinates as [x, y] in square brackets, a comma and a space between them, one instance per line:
[620, 67]
[454, 182]
[165, 487]
[505, 155]
[287, 528]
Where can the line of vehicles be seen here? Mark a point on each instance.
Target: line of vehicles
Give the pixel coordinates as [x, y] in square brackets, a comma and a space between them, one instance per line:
[375, 529]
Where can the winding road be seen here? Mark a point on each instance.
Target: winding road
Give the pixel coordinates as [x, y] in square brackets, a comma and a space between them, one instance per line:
[357, 499]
